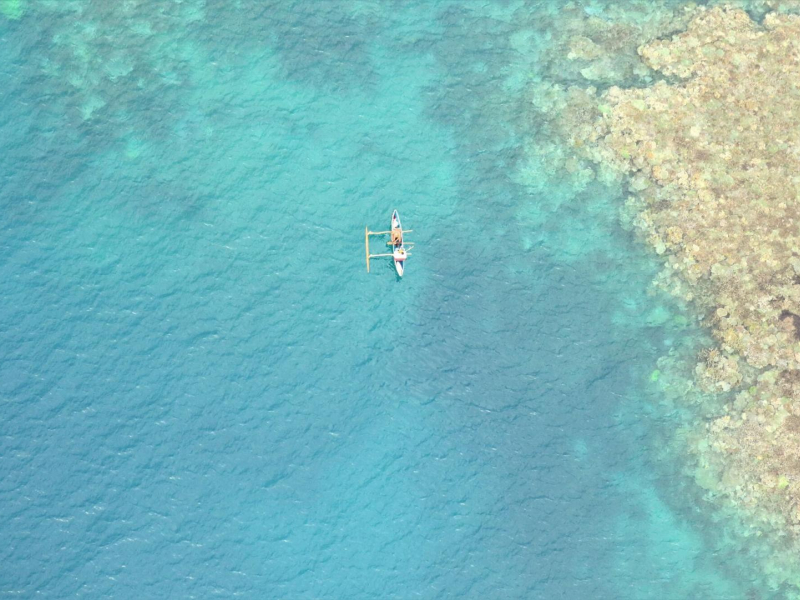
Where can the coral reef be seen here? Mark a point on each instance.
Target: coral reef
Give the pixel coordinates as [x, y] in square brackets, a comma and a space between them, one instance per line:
[601, 48]
[714, 160]
[710, 154]
[104, 62]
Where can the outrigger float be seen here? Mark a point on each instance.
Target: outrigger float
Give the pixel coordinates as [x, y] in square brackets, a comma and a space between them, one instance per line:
[400, 249]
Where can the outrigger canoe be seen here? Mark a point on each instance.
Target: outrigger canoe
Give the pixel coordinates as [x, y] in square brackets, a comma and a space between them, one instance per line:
[400, 250]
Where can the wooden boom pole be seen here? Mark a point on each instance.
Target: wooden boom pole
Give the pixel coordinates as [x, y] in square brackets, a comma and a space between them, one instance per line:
[366, 243]
[368, 233]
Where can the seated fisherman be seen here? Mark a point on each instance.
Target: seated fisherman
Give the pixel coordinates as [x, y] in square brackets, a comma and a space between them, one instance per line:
[397, 236]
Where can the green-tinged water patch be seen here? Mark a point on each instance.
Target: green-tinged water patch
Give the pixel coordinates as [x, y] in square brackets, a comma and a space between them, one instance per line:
[670, 545]
[12, 9]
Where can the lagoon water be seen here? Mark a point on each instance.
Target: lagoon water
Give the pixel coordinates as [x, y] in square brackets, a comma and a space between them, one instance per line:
[203, 392]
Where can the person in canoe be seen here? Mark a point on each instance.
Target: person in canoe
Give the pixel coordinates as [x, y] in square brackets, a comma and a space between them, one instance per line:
[399, 254]
[397, 236]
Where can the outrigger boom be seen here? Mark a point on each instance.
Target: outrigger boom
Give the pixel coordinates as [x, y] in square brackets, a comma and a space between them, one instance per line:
[400, 249]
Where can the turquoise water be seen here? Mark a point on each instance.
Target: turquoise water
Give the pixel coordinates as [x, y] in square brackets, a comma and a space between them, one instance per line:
[204, 394]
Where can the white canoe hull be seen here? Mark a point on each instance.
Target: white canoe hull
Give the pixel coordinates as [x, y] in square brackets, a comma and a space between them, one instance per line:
[399, 265]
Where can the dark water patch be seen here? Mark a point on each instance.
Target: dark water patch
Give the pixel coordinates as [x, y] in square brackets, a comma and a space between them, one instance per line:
[39, 156]
[528, 389]
[324, 44]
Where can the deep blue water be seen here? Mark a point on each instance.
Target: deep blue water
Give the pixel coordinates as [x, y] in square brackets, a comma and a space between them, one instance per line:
[204, 394]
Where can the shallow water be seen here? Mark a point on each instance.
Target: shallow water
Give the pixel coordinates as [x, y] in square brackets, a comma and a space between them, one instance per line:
[205, 394]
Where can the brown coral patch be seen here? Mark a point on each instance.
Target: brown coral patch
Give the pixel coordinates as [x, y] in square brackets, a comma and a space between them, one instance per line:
[792, 423]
